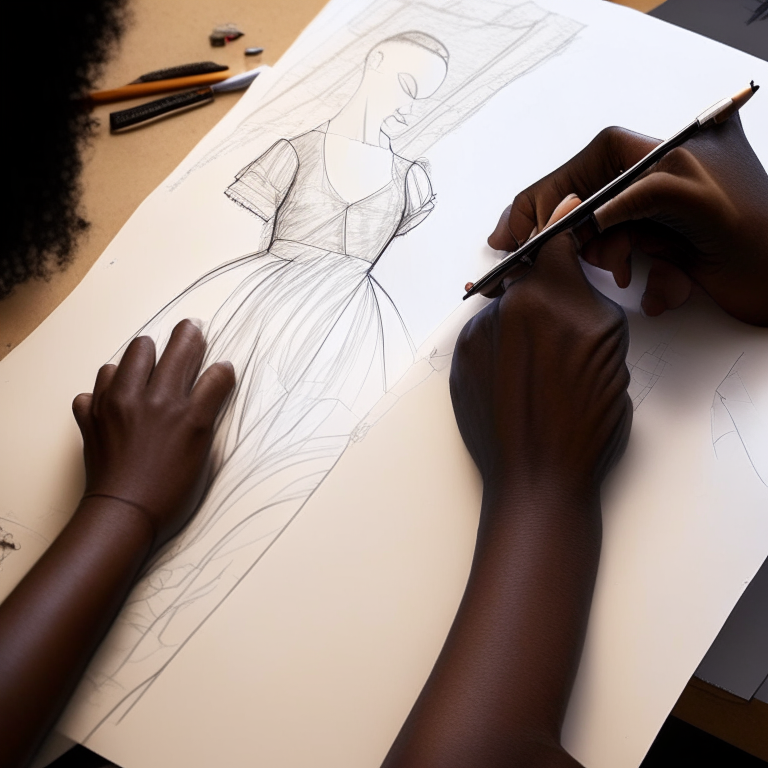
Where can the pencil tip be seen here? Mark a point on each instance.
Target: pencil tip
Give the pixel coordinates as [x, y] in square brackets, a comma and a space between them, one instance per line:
[754, 87]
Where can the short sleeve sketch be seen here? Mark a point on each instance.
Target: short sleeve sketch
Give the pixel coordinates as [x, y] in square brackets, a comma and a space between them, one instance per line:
[261, 186]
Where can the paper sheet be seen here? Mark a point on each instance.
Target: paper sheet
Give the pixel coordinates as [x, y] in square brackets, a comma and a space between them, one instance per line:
[333, 618]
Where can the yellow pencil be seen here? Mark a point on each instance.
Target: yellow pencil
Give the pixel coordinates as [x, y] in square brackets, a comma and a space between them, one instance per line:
[136, 90]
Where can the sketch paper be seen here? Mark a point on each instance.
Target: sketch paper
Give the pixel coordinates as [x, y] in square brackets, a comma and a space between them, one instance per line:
[322, 253]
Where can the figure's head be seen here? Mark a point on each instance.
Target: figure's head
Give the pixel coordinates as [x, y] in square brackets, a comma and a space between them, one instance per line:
[401, 70]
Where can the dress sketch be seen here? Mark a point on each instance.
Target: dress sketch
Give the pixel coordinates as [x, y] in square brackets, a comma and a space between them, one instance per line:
[312, 335]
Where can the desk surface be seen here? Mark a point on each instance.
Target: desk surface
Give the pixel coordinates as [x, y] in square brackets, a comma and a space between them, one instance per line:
[120, 171]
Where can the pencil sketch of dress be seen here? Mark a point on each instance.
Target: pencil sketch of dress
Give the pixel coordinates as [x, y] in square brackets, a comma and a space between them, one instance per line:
[315, 339]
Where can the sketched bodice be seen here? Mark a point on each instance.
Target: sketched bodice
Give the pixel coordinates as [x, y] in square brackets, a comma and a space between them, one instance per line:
[289, 183]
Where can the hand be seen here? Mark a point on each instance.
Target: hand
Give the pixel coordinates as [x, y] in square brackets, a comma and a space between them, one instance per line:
[539, 379]
[701, 214]
[147, 430]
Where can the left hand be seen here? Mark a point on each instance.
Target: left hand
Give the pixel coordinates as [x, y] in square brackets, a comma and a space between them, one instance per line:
[147, 428]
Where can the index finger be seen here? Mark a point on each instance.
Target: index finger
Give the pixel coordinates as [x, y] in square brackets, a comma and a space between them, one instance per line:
[612, 151]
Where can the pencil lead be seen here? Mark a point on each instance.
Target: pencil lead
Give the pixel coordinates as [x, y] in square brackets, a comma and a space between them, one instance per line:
[754, 87]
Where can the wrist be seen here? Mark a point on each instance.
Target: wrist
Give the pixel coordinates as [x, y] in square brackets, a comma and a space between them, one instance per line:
[555, 486]
[542, 494]
[112, 517]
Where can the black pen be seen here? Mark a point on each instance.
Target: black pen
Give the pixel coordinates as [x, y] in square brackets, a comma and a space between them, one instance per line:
[126, 118]
[584, 212]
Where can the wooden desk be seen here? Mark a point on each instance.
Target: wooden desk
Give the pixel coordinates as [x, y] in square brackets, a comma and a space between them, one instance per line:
[120, 171]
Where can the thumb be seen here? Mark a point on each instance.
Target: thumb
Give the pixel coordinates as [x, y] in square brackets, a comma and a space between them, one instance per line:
[564, 207]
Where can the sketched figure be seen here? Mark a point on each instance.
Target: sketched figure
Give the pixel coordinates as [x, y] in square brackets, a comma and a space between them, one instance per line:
[315, 339]
[308, 329]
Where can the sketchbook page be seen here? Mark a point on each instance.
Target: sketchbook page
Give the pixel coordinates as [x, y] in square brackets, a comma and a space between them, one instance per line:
[221, 604]
[599, 705]
[294, 240]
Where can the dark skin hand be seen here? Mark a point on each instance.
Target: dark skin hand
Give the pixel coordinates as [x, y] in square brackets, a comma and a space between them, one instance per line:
[539, 390]
[147, 431]
[701, 213]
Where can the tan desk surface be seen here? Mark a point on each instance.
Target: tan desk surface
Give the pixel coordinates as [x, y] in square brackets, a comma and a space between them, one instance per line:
[120, 171]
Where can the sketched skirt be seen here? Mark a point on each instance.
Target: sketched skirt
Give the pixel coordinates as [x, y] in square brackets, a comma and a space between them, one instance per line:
[308, 331]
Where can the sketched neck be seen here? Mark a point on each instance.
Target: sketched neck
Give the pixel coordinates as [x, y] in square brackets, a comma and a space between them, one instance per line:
[360, 120]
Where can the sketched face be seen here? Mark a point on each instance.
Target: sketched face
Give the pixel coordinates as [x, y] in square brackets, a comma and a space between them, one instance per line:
[398, 74]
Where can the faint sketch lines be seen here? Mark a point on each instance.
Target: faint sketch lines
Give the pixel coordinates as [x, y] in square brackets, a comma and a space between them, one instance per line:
[645, 373]
[734, 412]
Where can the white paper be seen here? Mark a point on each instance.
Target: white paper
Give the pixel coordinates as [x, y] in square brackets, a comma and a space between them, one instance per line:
[324, 644]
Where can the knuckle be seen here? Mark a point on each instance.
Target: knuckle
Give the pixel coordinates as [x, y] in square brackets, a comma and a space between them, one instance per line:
[198, 423]
[115, 406]
[624, 378]
[680, 161]
[610, 134]
[611, 140]
[464, 341]
[158, 402]
[523, 200]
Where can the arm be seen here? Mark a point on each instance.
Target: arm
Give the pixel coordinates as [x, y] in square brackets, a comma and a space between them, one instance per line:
[147, 432]
[701, 215]
[539, 390]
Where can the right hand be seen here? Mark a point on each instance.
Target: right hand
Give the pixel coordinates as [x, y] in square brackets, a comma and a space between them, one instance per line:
[539, 381]
[701, 213]
[147, 429]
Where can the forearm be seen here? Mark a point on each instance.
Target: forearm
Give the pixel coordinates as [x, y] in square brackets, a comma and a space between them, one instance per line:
[499, 690]
[52, 622]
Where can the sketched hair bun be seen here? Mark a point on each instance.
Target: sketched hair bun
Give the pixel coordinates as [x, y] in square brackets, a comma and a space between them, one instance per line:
[422, 39]
[61, 49]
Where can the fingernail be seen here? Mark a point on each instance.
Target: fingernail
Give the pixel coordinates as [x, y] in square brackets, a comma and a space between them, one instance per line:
[197, 322]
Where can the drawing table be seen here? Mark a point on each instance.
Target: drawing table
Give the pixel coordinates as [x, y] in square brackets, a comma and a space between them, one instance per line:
[120, 171]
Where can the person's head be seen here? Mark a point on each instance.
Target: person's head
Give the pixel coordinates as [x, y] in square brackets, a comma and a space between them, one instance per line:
[63, 49]
[400, 70]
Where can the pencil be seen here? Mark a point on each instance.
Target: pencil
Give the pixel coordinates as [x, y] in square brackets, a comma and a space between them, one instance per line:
[136, 90]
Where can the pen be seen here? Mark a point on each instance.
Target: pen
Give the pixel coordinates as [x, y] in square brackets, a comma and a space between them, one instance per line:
[584, 213]
[125, 118]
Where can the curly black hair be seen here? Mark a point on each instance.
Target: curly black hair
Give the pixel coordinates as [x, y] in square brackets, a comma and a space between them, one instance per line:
[58, 50]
